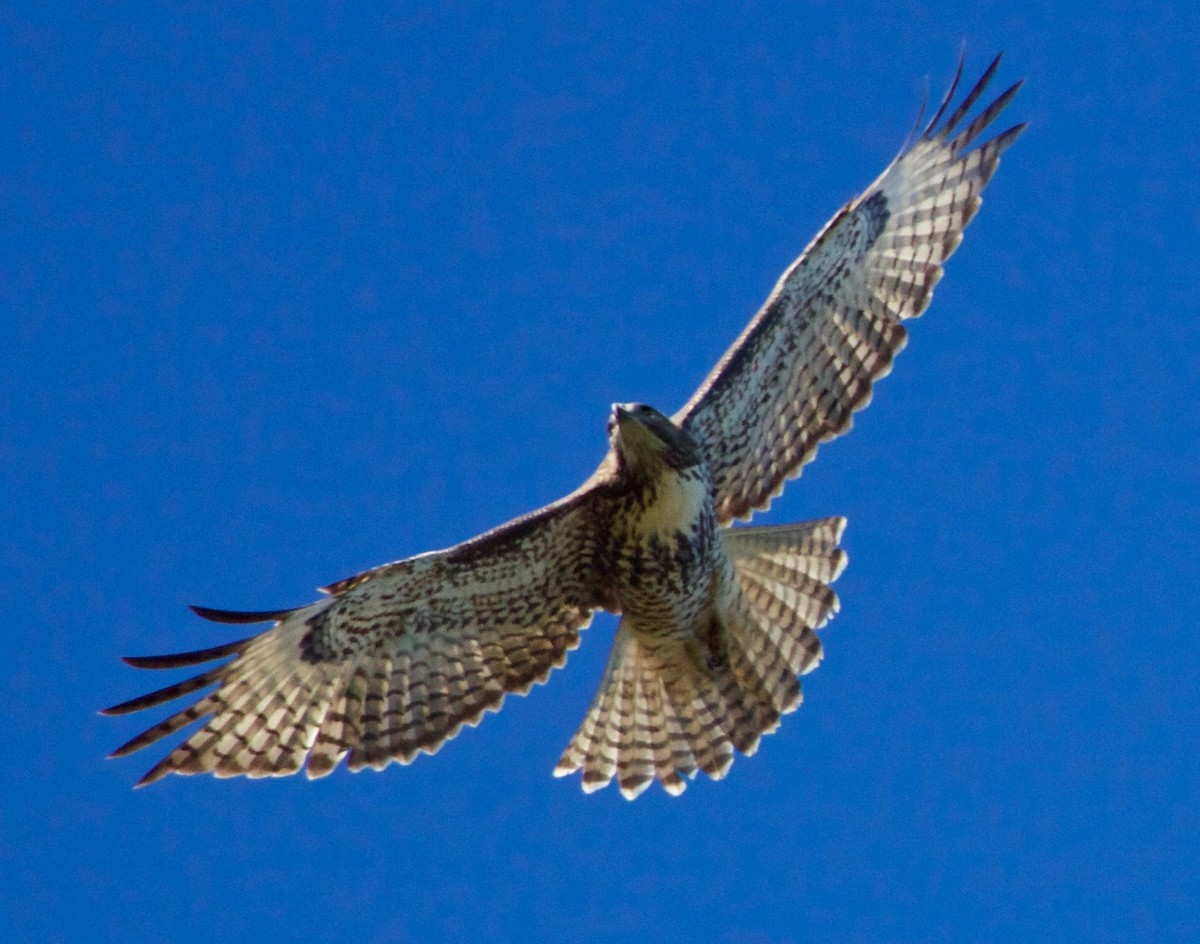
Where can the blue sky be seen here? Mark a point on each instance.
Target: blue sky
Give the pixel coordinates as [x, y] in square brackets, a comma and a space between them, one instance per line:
[287, 295]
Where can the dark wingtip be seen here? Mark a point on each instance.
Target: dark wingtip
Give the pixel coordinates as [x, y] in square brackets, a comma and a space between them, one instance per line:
[1001, 141]
[950, 92]
[239, 616]
[181, 659]
[170, 693]
[146, 778]
[971, 98]
[154, 774]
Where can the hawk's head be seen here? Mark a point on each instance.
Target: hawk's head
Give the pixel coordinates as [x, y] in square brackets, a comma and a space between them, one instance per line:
[646, 441]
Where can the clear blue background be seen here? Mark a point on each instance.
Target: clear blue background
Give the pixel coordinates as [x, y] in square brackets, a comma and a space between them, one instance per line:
[286, 295]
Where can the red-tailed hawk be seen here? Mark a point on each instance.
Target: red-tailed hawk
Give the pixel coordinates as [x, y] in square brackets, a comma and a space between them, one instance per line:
[717, 622]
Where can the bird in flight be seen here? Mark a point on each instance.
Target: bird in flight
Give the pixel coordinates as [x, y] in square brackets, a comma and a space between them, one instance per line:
[716, 622]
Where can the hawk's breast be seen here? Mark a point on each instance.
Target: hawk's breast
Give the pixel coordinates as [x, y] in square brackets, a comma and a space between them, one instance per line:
[676, 502]
[664, 550]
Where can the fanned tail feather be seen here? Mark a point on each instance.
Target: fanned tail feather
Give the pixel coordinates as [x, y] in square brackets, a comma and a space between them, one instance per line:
[655, 717]
[785, 572]
[670, 706]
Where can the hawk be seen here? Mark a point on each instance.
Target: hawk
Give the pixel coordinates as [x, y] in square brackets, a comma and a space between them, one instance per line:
[717, 622]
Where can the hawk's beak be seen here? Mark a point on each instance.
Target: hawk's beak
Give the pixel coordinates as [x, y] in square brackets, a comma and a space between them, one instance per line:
[621, 417]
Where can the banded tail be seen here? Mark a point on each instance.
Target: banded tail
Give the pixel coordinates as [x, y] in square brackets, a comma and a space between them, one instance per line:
[668, 707]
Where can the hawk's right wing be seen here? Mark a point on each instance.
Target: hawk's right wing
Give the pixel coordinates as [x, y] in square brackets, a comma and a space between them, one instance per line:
[393, 662]
[832, 325]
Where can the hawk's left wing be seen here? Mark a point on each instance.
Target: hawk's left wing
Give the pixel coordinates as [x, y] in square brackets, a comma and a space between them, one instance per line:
[833, 323]
[393, 662]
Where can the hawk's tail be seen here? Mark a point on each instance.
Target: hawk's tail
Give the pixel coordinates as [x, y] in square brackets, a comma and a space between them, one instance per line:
[669, 707]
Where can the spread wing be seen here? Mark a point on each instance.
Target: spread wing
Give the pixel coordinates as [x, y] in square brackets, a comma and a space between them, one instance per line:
[833, 323]
[393, 662]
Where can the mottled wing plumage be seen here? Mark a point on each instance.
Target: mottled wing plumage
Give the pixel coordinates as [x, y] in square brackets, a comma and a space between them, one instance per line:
[718, 624]
[832, 325]
[393, 662]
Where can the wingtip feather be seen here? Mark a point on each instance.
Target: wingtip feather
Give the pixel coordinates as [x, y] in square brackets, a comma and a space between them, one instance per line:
[949, 96]
[238, 617]
[971, 98]
[183, 659]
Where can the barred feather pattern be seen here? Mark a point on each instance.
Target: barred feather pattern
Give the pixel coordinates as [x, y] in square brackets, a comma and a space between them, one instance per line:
[719, 623]
[669, 706]
[785, 572]
[655, 716]
[393, 663]
[832, 325]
